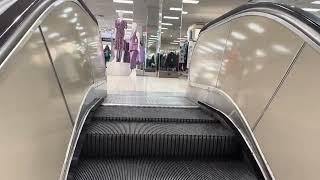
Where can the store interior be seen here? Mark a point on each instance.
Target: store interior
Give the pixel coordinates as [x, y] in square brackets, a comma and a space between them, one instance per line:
[146, 40]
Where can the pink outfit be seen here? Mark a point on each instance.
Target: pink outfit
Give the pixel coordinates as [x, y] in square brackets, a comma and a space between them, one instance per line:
[134, 44]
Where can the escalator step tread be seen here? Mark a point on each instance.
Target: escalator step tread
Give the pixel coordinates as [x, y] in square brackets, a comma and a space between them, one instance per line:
[161, 169]
[109, 138]
[121, 113]
[167, 128]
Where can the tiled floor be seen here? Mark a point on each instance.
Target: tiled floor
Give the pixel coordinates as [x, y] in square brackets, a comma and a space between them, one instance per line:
[133, 83]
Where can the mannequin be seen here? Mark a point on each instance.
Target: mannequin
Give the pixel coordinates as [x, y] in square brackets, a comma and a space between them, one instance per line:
[134, 46]
[120, 26]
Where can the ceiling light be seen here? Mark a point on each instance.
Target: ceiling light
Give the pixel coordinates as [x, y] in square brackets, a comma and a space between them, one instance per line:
[123, 1]
[124, 11]
[184, 12]
[256, 28]
[164, 28]
[174, 43]
[311, 9]
[175, 9]
[167, 24]
[153, 36]
[79, 28]
[315, 2]
[190, 1]
[170, 17]
[128, 19]
[238, 35]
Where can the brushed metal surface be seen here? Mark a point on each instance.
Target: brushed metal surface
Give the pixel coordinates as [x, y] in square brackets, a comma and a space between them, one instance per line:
[71, 38]
[35, 126]
[258, 55]
[207, 58]
[288, 131]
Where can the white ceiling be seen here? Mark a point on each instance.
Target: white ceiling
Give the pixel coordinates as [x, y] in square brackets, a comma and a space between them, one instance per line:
[146, 12]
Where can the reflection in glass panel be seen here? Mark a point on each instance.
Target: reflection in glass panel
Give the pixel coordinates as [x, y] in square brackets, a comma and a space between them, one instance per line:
[170, 25]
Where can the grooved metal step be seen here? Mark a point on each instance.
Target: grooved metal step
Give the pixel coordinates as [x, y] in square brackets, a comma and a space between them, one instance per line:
[127, 113]
[161, 169]
[111, 138]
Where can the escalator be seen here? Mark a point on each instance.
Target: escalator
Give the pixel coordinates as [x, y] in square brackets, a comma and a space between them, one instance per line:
[137, 142]
[237, 120]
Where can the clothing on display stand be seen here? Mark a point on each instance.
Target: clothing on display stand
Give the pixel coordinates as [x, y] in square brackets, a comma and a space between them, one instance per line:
[120, 26]
[126, 56]
[134, 50]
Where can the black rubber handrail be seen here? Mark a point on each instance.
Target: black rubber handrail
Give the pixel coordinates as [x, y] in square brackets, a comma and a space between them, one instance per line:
[306, 17]
[13, 17]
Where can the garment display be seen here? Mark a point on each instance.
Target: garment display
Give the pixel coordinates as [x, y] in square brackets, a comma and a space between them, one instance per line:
[120, 26]
[126, 56]
[142, 54]
[134, 44]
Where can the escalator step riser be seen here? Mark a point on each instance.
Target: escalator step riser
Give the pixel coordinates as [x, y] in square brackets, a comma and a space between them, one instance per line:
[141, 119]
[159, 145]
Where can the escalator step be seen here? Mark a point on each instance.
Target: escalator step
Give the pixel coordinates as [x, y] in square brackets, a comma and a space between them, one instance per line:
[164, 169]
[156, 114]
[151, 139]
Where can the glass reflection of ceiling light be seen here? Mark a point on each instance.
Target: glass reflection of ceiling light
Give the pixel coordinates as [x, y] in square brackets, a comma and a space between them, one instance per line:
[63, 15]
[67, 10]
[83, 33]
[190, 1]
[216, 46]
[153, 36]
[170, 17]
[167, 24]
[256, 28]
[174, 43]
[123, 1]
[124, 11]
[75, 14]
[315, 2]
[164, 28]
[53, 35]
[280, 48]
[78, 24]
[238, 35]
[222, 41]
[44, 29]
[201, 51]
[61, 39]
[79, 28]
[184, 12]
[205, 48]
[182, 38]
[128, 19]
[311, 9]
[175, 9]
[73, 20]
[260, 53]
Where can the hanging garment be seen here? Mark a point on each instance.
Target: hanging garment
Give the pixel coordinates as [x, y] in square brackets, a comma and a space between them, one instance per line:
[142, 54]
[126, 56]
[133, 58]
[120, 26]
[134, 44]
